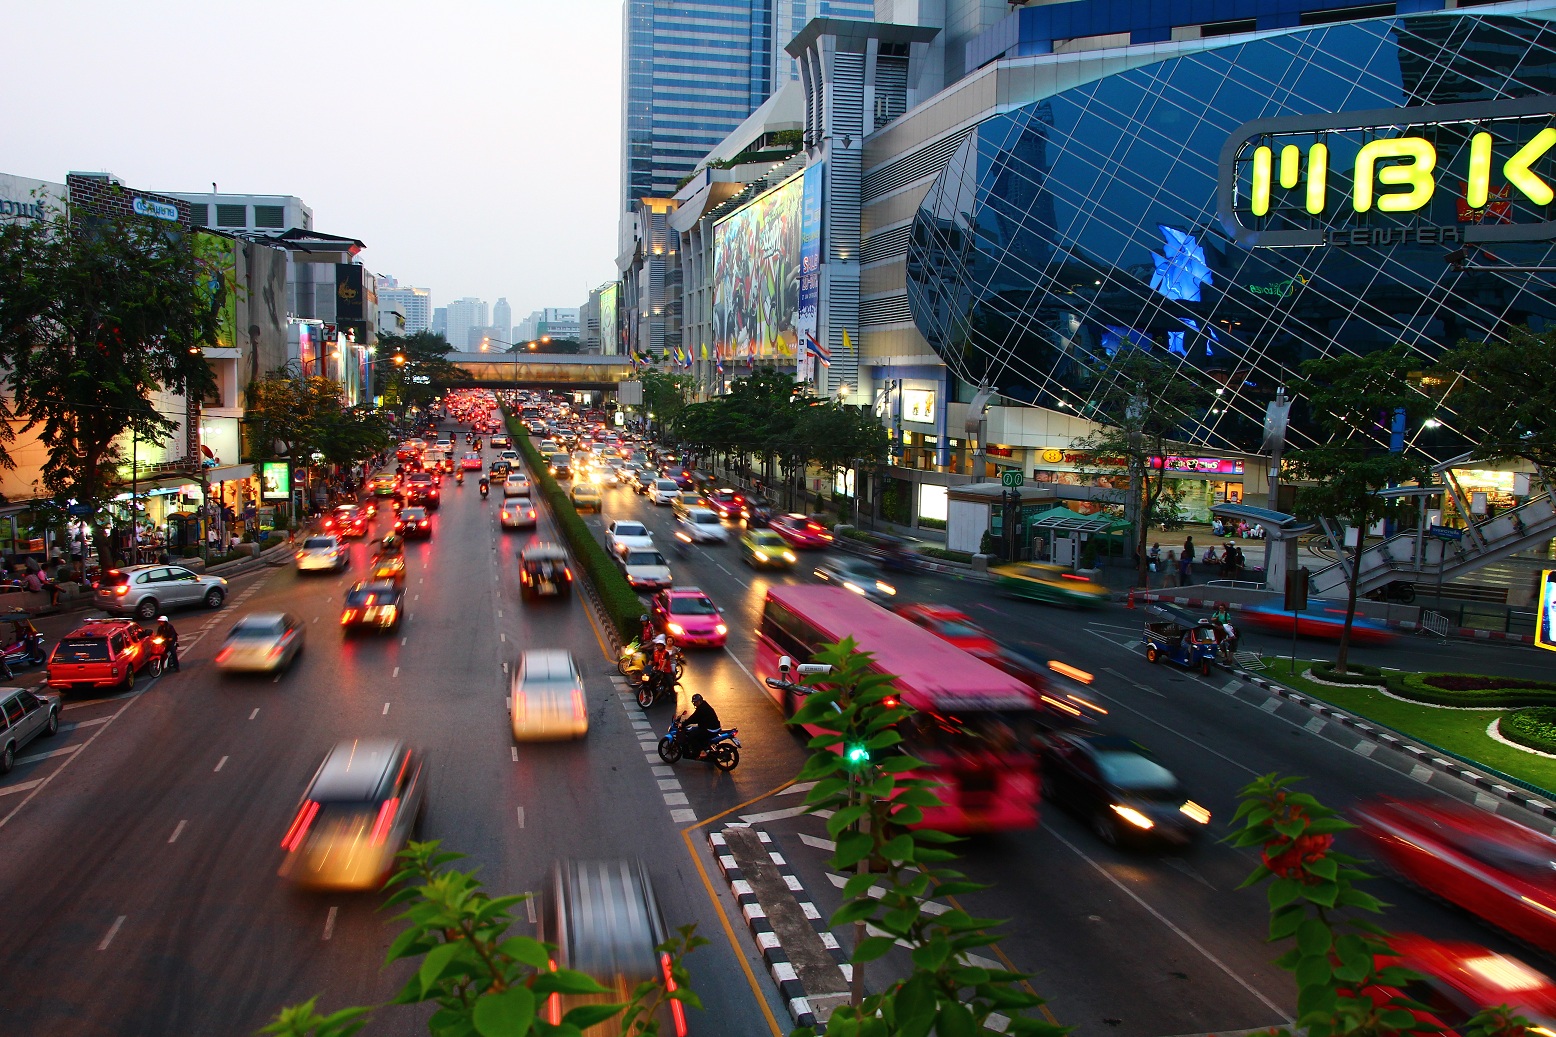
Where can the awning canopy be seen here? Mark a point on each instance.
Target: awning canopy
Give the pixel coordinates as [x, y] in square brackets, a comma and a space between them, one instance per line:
[1275, 521]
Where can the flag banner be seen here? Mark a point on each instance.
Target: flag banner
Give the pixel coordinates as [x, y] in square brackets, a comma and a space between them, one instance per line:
[816, 349]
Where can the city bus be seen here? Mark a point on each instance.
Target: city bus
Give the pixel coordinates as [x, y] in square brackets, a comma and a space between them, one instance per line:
[976, 727]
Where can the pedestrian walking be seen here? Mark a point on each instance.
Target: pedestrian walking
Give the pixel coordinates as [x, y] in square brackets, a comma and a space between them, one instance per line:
[1170, 576]
[1186, 569]
[169, 637]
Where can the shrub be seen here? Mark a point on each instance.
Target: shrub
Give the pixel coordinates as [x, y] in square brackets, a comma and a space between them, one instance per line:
[1447, 689]
[1476, 682]
[621, 602]
[946, 553]
[931, 523]
[1533, 727]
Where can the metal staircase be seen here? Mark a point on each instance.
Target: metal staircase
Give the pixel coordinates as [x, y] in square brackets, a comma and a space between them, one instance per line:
[1421, 555]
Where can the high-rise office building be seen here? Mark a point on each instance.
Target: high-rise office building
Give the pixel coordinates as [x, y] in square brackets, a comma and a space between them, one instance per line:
[464, 314]
[440, 321]
[502, 319]
[415, 304]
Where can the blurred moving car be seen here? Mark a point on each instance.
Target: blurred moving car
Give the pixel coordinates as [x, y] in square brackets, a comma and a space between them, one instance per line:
[321, 554]
[726, 503]
[261, 642]
[645, 568]
[757, 513]
[516, 484]
[800, 531]
[414, 524]
[857, 575]
[585, 497]
[24, 715]
[702, 526]
[543, 571]
[689, 616]
[472, 461]
[685, 501]
[764, 549]
[623, 535]
[421, 490]
[389, 562]
[604, 918]
[348, 520]
[383, 485]
[546, 700]
[500, 440]
[517, 513]
[561, 466]
[363, 804]
[1040, 581]
[1322, 619]
[1456, 981]
[100, 654]
[663, 491]
[146, 590]
[377, 605]
[948, 624]
[1124, 795]
[1491, 866]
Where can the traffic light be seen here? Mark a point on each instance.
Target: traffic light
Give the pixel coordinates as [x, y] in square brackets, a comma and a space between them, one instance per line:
[856, 755]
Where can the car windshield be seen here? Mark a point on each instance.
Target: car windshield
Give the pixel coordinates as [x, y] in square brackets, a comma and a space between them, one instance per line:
[665, 484]
[765, 539]
[630, 529]
[413, 514]
[645, 558]
[1131, 771]
[248, 629]
[690, 606]
[318, 544]
[561, 460]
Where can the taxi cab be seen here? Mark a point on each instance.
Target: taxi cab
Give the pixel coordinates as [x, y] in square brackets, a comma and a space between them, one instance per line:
[1038, 581]
[374, 606]
[586, 497]
[384, 485]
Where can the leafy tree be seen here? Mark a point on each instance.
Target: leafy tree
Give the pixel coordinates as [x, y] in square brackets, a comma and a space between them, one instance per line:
[95, 317]
[297, 417]
[548, 344]
[1503, 395]
[1354, 400]
[1143, 404]
[414, 369]
[666, 395]
[835, 437]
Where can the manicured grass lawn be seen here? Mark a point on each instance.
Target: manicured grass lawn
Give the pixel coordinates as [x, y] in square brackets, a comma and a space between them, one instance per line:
[1460, 731]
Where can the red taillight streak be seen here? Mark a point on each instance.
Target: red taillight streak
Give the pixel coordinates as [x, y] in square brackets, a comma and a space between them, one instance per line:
[554, 1003]
[225, 654]
[1072, 576]
[677, 1010]
[385, 820]
[294, 835]
[578, 703]
[122, 590]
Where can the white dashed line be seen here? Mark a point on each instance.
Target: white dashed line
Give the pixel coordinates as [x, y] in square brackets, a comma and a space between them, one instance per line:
[221, 763]
[515, 753]
[521, 817]
[396, 671]
[502, 637]
[329, 922]
[20, 787]
[386, 709]
[35, 757]
[177, 831]
[113, 930]
[255, 713]
[404, 639]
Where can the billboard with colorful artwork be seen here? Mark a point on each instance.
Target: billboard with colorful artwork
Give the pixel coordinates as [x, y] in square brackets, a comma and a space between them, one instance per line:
[756, 275]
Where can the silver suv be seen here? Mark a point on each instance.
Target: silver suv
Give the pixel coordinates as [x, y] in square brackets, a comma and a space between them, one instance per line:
[145, 590]
[24, 715]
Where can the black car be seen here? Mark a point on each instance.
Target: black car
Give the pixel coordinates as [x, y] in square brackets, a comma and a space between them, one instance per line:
[414, 524]
[543, 571]
[756, 514]
[1113, 784]
[378, 605]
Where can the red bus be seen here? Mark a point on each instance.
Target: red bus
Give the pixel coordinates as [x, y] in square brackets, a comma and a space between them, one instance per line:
[976, 726]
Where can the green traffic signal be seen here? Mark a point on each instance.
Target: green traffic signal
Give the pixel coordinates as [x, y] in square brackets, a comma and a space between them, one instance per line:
[856, 755]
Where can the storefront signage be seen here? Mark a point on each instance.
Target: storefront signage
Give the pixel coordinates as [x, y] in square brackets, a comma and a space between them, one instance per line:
[1279, 289]
[275, 481]
[1369, 178]
[918, 405]
[1200, 465]
[159, 210]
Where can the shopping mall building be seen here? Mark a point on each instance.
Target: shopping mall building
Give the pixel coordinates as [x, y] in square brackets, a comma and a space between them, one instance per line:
[1235, 186]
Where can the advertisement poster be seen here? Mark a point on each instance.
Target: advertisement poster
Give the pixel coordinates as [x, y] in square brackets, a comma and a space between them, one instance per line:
[610, 337]
[1544, 637]
[756, 276]
[275, 481]
[350, 293]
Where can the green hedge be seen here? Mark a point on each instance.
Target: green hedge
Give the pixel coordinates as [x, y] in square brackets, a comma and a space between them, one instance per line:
[945, 553]
[620, 600]
[1447, 689]
[1533, 727]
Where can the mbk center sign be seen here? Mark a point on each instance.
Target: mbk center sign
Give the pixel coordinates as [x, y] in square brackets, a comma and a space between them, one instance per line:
[1450, 174]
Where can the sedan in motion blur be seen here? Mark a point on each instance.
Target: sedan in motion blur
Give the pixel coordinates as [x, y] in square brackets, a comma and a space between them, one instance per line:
[546, 701]
[375, 606]
[363, 804]
[261, 642]
[323, 553]
[1112, 783]
[690, 617]
[859, 576]
[800, 531]
[762, 548]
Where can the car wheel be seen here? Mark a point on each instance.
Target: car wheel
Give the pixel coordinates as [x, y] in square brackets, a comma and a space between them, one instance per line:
[1152, 655]
[726, 757]
[37, 657]
[128, 683]
[8, 758]
[147, 609]
[669, 749]
[52, 728]
[1105, 827]
[214, 598]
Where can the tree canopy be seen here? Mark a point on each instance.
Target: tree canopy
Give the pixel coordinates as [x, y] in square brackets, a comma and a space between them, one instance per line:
[1500, 395]
[414, 369]
[299, 417]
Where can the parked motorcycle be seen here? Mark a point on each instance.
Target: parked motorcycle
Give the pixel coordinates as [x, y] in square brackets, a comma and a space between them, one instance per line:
[723, 749]
[25, 647]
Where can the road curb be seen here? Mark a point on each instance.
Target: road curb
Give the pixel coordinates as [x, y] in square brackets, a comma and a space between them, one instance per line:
[1420, 754]
[1467, 632]
[790, 987]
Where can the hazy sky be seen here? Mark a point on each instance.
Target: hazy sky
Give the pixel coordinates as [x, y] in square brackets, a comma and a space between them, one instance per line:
[472, 144]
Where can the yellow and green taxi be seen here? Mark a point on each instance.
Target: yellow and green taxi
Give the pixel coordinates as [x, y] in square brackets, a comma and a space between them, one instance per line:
[1055, 584]
[764, 549]
[586, 496]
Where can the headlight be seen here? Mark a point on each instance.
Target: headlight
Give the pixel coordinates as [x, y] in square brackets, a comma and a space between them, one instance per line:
[885, 588]
[788, 556]
[722, 629]
[675, 628]
[1196, 812]
[760, 556]
[1133, 816]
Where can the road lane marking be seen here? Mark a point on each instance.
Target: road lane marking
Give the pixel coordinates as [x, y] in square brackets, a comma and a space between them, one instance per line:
[396, 671]
[21, 787]
[502, 637]
[35, 757]
[221, 763]
[113, 931]
[1166, 727]
[177, 831]
[1131, 680]
[499, 613]
[405, 639]
[515, 753]
[1164, 920]
[255, 713]
[329, 922]
[521, 817]
[386, 709]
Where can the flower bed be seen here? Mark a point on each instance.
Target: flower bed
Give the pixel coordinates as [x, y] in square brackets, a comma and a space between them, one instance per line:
[1474, 690]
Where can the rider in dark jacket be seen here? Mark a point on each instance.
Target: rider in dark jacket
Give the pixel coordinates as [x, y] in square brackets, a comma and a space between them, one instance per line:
[697, 731]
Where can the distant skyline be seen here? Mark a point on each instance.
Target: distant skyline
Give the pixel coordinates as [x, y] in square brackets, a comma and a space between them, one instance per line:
[359, 109]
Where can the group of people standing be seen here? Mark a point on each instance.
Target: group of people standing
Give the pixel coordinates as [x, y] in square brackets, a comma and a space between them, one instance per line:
[1177, 568]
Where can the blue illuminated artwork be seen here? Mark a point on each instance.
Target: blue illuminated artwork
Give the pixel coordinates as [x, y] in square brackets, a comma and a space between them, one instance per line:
[1180, 267]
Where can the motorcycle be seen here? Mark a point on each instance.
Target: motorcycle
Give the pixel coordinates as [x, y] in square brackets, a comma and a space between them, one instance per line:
[485, 488]
[654, 685]
[158, 655]
[26, 647]
[459, 477]
[723, 749]
[633, 660]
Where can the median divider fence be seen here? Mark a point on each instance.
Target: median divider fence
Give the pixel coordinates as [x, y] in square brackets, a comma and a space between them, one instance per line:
[615, 596]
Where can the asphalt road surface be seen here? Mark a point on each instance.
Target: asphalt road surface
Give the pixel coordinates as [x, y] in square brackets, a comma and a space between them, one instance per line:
[141, 844]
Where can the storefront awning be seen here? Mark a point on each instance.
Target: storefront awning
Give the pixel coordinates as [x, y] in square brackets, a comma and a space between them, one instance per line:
[228, 472]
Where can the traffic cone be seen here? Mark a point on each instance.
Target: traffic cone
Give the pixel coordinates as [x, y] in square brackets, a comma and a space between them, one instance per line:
[1130, 602]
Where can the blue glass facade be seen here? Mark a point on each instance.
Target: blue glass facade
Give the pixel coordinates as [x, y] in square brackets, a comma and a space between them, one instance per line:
[1087, 223]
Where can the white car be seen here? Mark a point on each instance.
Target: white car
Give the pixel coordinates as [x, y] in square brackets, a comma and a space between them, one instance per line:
[263, 642]
[516, 485]
[645, 569]
[546, 698]
[321, 553]
[549, 446]
[511, 456]
[663, 491]
[703, 527]
[623, 535]
[517, 513]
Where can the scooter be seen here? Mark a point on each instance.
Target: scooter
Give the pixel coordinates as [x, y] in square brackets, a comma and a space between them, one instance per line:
[26, 647]
[459, 477]
[485, 488]
[723, 749]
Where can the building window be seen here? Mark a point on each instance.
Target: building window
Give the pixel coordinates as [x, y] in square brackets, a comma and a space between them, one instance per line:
[1347, 14]
[270, 216]
[1231, 28]
[232, 216]
[199, 214]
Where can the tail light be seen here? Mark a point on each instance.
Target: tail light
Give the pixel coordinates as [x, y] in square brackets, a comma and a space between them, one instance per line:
[385, 820]
[294, 835]
[274, 653]
[225, 654]
[348, 615]
[567, 572]
[122, 590]
[578, 703]
[554, 1002]
[677, 1010]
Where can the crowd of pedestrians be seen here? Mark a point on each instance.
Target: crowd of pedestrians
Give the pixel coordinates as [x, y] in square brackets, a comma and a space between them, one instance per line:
[1178, 567]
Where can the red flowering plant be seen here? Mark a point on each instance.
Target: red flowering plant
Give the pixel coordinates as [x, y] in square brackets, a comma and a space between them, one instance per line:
[1317, 906]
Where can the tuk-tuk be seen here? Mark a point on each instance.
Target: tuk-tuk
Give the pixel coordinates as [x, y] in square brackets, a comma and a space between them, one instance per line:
[543, 571]
[1181, 637]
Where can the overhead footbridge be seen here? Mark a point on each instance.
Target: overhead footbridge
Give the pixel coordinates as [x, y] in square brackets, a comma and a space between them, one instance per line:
[542, 370]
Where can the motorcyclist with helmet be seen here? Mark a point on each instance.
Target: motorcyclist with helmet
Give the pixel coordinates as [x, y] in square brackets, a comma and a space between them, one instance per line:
[486, 486]
[698, 728]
